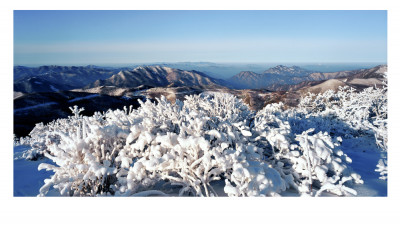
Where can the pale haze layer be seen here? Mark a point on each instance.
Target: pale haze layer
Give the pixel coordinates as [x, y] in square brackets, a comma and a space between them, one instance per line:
[117, 37]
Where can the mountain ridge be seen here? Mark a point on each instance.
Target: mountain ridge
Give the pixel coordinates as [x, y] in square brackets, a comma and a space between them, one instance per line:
[286, 76]
[159, 76]
[43, 78]
[277, 74]
[60, 78]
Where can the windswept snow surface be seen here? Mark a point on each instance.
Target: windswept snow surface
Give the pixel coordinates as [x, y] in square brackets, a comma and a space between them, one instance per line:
[27, 178]
[365, 158]
[86, 97]
[54, 89]
[35, 106]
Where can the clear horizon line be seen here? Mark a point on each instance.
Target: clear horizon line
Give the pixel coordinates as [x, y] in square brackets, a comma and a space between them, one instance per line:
[177, 62]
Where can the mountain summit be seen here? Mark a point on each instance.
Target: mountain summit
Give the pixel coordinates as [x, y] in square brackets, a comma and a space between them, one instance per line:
[288, 71]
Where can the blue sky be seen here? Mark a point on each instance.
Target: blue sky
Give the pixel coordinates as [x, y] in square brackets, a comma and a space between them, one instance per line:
[118, 37]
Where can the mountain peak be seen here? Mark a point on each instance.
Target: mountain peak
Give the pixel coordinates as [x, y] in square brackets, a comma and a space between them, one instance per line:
[154, 69]
[285, 70]
[247, 74]
[274, 75]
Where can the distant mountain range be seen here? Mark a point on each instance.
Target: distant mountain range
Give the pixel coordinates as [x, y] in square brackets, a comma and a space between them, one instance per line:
[44, 93]
[275, 75]
[358, 79]
[61, 78]
[282, 77]
[227, 70]
[57, 78]
[278, 78]
[158, 76]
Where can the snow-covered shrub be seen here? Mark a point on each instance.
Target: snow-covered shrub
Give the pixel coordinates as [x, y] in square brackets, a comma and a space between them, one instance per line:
[303, 160]
[321, 161]
[207, 141]
[20, 141]
[36, 141]
[347, 113]
[365, 112]
[382, 168]
[84, 150]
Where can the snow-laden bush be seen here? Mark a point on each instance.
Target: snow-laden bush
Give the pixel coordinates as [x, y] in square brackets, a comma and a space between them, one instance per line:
[363, 112]
[347, 113]
[305, 160]
[21, 141]
[199, 147]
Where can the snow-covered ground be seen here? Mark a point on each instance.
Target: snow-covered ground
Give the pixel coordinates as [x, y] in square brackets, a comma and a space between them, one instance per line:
[364, 163]
[86, 97]
[27, 178]
[54, 89]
